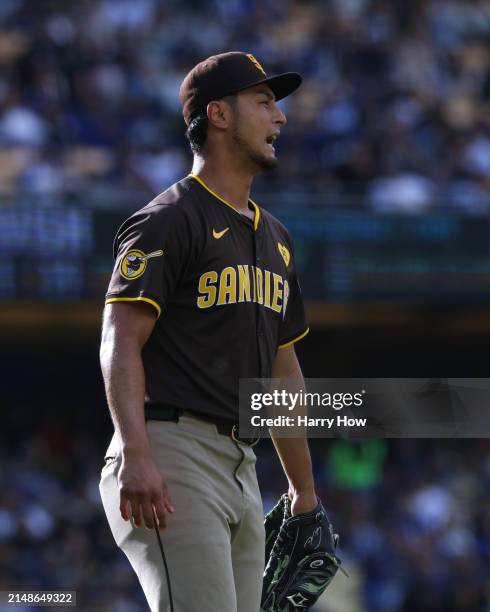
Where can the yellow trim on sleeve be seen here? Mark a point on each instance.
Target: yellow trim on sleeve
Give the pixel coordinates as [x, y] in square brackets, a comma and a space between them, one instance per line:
[281, 346]
[136, 299]
[256, 208]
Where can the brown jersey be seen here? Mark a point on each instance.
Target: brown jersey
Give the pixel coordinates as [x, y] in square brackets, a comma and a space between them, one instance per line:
[224, 289]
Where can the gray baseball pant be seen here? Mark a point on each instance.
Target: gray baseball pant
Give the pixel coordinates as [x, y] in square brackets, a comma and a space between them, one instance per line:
[214, 542]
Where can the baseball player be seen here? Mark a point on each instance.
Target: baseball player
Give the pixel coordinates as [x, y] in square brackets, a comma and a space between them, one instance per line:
[204, 292]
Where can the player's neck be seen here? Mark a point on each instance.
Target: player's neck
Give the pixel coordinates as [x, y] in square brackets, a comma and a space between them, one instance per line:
[230, 183]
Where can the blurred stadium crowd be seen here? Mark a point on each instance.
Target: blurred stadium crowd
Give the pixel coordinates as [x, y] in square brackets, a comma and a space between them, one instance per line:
[394, 111]
[414, 519]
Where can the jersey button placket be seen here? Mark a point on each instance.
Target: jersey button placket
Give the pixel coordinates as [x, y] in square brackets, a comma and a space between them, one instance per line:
[261, 338]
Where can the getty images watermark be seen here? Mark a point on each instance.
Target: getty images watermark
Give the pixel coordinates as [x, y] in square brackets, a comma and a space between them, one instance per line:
[297, 402]
[366, 408]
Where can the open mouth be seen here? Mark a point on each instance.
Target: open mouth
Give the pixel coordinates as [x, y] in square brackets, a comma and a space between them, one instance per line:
[270, 141]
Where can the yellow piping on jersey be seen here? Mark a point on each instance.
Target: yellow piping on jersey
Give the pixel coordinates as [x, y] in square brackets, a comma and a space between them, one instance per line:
[136, 299]
[281, 346]
[257, 213]
[256, 208]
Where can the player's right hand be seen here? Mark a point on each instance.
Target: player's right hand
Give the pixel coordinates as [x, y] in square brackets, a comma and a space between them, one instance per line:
[142, 489]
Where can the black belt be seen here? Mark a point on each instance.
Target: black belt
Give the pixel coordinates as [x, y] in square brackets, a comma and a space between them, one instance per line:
[162, 412]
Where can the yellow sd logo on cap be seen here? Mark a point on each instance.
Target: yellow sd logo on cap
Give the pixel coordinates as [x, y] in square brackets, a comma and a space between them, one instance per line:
[256, 63]
[134, 263]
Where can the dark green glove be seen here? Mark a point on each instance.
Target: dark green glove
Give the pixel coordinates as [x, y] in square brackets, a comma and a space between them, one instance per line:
[273, 522]
[301, 562]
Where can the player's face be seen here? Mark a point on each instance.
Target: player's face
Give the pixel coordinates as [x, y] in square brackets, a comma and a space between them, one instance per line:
[258, 121]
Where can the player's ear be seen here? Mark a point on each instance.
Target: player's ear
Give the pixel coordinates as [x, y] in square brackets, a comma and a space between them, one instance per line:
[219, 113]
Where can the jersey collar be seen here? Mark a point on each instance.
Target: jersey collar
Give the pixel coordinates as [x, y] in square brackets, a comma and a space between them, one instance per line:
[256, 208]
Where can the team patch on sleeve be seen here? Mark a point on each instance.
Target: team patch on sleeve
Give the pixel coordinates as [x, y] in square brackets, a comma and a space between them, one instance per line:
[134, 262]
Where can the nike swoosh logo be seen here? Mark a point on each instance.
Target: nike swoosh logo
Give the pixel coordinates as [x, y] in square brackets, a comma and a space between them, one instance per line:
[219, 235]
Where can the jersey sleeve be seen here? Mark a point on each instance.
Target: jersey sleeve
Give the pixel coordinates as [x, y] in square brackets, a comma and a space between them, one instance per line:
[294, 326]
[151, 251]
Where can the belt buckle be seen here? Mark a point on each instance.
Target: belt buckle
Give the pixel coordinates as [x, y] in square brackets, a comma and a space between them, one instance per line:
[238, 440]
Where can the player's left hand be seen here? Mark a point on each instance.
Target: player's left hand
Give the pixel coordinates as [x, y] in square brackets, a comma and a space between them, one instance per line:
[302, 501]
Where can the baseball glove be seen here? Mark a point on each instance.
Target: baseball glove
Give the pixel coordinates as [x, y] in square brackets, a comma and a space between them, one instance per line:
[300, 558]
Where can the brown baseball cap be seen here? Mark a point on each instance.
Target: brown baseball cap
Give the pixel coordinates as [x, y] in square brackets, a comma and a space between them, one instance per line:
[226, 74]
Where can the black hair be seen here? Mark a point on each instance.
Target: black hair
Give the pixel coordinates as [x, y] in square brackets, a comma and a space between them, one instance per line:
[197, 130]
